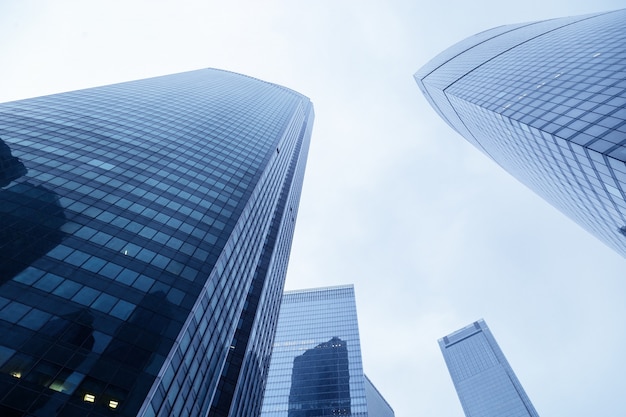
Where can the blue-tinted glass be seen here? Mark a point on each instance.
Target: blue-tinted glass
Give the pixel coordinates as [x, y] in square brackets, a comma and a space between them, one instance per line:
[316, 368]
[134, 216]
[545, 100]
[483, 378]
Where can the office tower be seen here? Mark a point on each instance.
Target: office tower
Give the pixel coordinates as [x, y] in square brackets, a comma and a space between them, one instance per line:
[484, 380]
[316, 367]
[145, 232]
[547, 102]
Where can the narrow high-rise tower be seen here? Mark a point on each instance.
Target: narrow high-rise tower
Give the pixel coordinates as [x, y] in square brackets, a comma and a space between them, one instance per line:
[484, 380]
[316, 367]
[546, 101]
[145, 231]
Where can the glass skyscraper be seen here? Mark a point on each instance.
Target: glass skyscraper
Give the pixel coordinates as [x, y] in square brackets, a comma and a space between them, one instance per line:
[145, 231]
[484, 380]
[316, 367]
[547, 101]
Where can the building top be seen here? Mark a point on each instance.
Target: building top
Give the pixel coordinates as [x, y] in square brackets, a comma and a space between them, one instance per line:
[464, 333]
[485, 382]
[145, 224]
[472, 52]
[545, 100]
[314, 294]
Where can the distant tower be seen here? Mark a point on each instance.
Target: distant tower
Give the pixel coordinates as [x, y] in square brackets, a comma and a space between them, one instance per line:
[316, 367]
[145, 229]
[484, 380]
[546, 101]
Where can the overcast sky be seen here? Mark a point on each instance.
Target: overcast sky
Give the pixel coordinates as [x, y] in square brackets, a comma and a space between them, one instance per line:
[432, 233]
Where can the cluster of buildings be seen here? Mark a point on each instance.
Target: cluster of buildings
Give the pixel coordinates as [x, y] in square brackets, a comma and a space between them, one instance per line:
[547, 102]
[146, 228]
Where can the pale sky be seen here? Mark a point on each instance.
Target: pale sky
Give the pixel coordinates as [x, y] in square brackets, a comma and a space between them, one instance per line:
[432, 233]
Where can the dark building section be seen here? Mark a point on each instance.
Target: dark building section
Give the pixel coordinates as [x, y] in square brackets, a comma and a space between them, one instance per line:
[51, 364]
[11, 168]
[146, 229]
[30, 218]
[483, 378]
[546, 101]
[30, 226]
[320, 381]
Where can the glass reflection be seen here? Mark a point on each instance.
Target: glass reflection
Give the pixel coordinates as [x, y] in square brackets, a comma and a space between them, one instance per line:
[30, 218]
[11, 168]
[320, 382]
[316, 368]
[57, 360]
[127, 357]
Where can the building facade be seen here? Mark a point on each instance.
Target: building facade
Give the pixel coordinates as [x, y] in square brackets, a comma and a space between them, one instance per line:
[316, 367]
[145, 232]
[377, 405]
[547, 101]
[484, 380]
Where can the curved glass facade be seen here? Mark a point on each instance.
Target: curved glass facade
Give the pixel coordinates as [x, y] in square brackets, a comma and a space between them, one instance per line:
[546, 101]
[145, 229]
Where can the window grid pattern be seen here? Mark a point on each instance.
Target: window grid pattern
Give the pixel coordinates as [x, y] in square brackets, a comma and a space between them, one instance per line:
[233, 275]
[316, 362]
[248, 395]
[484, 381]
[557, 122]
[137, 205]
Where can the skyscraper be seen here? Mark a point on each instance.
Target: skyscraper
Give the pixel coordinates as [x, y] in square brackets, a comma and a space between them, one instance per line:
[316, 367]
[484, 380]
[145, 231]
[546, 101]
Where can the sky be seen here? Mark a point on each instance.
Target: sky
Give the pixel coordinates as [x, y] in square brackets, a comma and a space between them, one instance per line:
[432, 233]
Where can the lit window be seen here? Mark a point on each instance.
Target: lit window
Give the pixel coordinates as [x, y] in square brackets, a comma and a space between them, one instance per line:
[113, 404]
[57, 386]
[90, 398]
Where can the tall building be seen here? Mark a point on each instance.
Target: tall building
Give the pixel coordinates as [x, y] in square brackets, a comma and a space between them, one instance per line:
[546, 101]
[145, 231]
[484, 380]
[316, 367]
